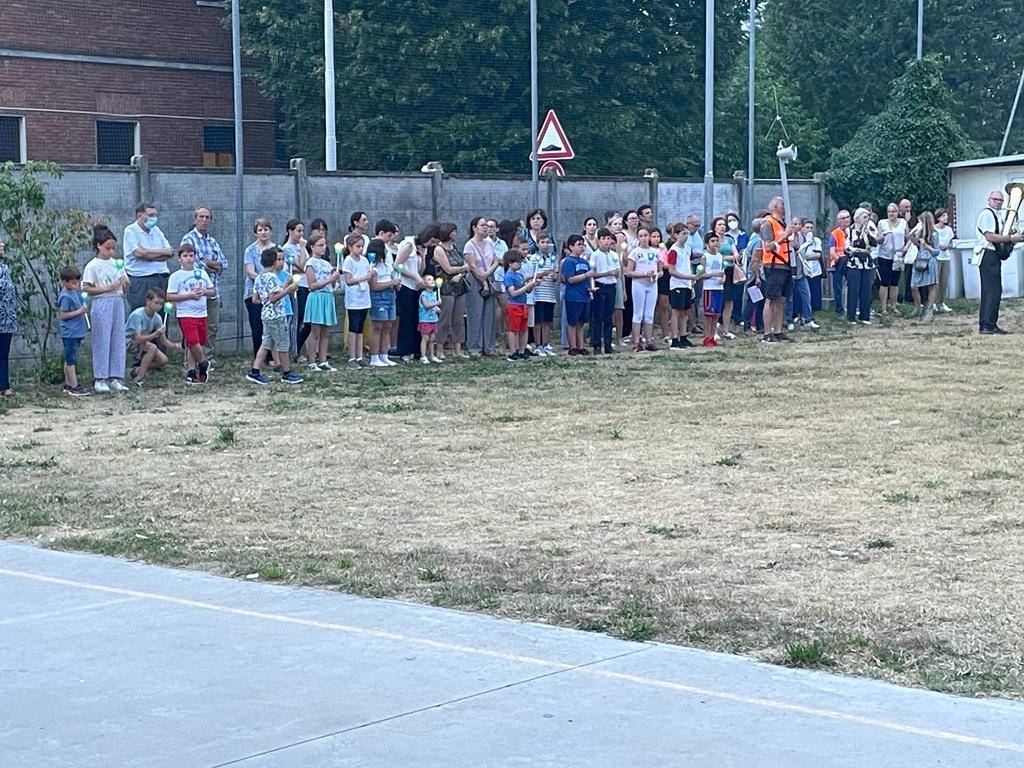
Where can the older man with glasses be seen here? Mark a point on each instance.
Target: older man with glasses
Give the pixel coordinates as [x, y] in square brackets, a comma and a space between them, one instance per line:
[997, 245]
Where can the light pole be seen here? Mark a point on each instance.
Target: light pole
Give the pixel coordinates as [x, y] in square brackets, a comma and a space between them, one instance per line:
[920, 28]
[236, 82]
[331, 140]
[534, 175]
[749, 201]
[709, 109]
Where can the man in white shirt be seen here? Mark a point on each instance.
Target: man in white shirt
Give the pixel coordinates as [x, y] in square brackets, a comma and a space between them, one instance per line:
[989, 226]
[146, 252]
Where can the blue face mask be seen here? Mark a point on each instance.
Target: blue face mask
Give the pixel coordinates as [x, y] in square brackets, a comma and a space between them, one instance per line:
[151, 222]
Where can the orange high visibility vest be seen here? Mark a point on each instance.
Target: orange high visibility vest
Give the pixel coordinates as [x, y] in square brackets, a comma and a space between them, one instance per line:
[781, 257]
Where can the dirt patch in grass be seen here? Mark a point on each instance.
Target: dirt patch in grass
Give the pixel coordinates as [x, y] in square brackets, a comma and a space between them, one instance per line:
[851, 501]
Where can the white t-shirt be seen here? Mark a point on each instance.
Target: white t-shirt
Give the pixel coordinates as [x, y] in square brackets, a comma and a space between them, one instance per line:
[153, 240]
[945, 235]
[185, 281]
[988, 223]
[891, 239]
[682, 251]
[645, 260]
[603, 261]
[357, 296]
[321, 271]
[100, 272]
[713, 262]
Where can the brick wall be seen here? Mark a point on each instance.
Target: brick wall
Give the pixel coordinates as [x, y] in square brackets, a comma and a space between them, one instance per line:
[173, 30]
[62, 100]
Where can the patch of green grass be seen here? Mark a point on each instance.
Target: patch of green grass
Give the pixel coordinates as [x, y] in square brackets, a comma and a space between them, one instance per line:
[880, 543]
[616, 434]
[556, 552]
[994, 474]
[638, 629]
[933, 483]
[280, 405]
[28, 445]
[271, 572]
[809, 655]
[191, 439]
[432, 575]
[20, 463]
[134, 543]
[386, 406]
[226, 437]
[901, 497]
[671, 531]
[508, 418]
[729, 461]
[893, 659]
[343, 563]
[858, 641]
[967, 494]
[311, 567]
[17, 517]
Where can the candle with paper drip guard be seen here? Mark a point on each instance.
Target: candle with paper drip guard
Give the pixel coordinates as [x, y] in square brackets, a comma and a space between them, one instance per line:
[168, 306]
[85, 298]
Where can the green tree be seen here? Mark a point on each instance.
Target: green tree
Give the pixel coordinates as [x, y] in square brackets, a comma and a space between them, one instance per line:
[841, 56]
[40, 241]
[803, 129]
[903, 151]
[445, 81]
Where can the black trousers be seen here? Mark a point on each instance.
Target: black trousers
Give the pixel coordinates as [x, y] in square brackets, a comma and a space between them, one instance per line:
[255, 313]
[408, 320]
[991, 272]
[601, 309]
[304, 327]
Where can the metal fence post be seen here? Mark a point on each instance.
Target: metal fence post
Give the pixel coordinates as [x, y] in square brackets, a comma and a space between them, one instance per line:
[143, 187]
[552, 205]
[651, 175]
[436, 172]
[301, 179]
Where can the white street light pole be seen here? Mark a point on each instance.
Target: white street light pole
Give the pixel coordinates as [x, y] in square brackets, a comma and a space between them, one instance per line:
[236, 80]
[709, 110]
[534, 111]
[920, 28]
[749, 201]
[331, 140]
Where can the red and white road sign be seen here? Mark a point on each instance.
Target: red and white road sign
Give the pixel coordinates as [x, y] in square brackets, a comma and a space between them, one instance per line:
[551, 165]
[552, 143]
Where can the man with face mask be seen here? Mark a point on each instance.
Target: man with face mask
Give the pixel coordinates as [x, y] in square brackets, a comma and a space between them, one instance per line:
[146, 252]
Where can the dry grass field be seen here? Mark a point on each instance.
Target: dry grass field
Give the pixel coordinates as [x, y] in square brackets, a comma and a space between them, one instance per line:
[851, 501]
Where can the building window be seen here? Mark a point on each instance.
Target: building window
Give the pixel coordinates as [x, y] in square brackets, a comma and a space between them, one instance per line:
[218, 146]
[12, 139]
[116, 142]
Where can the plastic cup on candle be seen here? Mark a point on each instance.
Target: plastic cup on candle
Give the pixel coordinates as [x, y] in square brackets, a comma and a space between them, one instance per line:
[168, 306]
[119, 263]
[197, 274]
[338, 249]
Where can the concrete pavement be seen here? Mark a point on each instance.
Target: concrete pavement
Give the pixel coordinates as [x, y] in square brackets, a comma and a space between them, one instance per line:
[106, 663]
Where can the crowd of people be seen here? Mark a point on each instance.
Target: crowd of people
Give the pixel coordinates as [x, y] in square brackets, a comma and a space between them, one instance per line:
[423, 298]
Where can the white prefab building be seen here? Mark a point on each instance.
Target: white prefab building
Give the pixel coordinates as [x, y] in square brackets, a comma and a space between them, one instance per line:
[970, 182]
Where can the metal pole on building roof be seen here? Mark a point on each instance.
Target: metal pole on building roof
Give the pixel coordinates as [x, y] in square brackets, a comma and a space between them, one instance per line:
[331, 148]
[709, 109]
[1013, 113]
[236, 77]
[534, 111]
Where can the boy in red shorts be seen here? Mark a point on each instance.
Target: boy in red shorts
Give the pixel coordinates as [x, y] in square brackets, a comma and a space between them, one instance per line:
[188, 289]
[516, 288]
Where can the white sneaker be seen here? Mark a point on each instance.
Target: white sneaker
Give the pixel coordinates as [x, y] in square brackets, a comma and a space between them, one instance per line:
[313, 367]
[791, 327]
[730, 335]
[813, 326]
[388, 362]
[376, 363]
[435, 359]
[101, 387]
[626, 341]
[944, 308]
[425, 360]
[865, 322]
[117, 386]
[326, 367]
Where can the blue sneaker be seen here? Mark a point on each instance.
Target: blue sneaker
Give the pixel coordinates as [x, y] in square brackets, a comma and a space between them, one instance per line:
[291, 378]
[257, 378]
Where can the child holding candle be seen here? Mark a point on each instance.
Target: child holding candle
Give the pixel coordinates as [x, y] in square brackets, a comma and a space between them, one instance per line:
[577, 274]
[357, 296]
[680, 294]
[545, 295]
[145, 333]
[105, 283]
[73, 318]
[188, 289]
[713, 275]
[643, 266]
[320, 313]
[516, 288]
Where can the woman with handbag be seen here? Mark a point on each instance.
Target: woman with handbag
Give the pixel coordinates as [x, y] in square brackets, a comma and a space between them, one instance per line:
[861, 237]
[892, 233]
[451, 326]
[480, 298]
[926, 266]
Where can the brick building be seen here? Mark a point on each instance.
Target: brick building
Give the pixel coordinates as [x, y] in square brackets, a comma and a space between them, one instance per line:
[97, 81]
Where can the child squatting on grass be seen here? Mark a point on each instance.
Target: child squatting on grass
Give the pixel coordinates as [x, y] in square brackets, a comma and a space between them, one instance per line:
[146, 337]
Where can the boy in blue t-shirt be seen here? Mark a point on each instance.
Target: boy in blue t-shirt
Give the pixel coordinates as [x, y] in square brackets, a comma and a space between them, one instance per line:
[73, 320]
[516, 288]
[577, 274]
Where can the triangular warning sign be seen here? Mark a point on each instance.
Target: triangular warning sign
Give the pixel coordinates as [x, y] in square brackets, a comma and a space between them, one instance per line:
[551, 140]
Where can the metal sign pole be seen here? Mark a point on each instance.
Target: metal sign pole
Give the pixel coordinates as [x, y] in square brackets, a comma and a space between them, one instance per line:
[331, 140]
[236, 76]
[709, 110]
[534, 172]
[749, 201]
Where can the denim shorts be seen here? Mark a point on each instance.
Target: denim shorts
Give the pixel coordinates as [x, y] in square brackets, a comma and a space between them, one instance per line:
[71, 350]
[382, 305]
